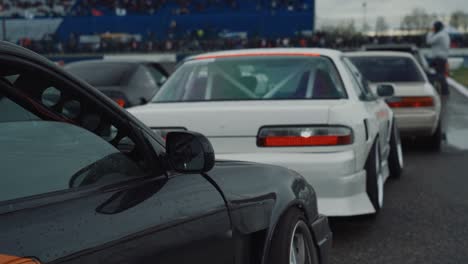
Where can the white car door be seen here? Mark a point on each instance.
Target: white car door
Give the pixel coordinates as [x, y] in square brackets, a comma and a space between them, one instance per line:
[378, 113]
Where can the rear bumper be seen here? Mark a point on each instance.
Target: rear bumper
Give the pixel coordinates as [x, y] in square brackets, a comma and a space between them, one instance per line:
[416, 122]
[340, 188]
[323, 238]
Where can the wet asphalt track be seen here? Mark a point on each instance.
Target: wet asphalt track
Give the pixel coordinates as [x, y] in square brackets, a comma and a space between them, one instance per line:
[425, 215]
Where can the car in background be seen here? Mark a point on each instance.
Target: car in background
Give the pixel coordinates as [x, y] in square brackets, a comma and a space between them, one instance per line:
[70, 192]
[305, 109]
[129, 83]
[416, 103]
[412, 49]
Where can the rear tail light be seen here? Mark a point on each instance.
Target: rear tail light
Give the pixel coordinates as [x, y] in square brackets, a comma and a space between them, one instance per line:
[398, 102]
[120, 101]
[162, 131]
[306, 136]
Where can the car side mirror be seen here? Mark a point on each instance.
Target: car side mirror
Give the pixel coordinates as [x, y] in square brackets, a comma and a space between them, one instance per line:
[385, 90]
[189, 152]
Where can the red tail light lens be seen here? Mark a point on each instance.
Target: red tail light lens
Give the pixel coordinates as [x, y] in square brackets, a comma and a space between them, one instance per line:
[398, 102]
[304, 136]
[121, 102]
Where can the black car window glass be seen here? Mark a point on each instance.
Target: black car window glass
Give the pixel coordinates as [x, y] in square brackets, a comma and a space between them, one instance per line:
[43, 153]
[388, 69]
[41, 156]
[71, 109]
[11, 78]
[101, 74]
[51, 96]
[11, 112]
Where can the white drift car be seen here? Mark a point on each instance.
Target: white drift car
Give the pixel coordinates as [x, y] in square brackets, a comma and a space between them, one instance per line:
[305, 109]
[416, 103]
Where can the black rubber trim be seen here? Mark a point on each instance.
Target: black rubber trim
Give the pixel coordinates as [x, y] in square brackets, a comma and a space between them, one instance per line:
[323, 238]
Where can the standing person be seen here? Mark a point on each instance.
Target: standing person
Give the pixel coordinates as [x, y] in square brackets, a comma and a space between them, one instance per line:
[439, 40]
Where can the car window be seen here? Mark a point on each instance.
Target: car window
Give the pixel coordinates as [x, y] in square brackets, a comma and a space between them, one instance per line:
[11, 112]
[388, 69]
[360, 84]
[157, 75]
[254, 78]
[102, 73]
[49, 144]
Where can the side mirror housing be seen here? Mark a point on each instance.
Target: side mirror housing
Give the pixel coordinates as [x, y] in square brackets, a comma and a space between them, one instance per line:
[385, 90]
[189, 152]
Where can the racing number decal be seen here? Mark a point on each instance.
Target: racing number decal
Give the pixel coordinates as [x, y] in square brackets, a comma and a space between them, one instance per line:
[7, 259]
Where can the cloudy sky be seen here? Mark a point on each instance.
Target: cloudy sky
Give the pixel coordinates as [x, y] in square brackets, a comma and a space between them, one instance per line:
[332, 11]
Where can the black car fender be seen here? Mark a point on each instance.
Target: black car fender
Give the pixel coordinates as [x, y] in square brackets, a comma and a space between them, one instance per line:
[259, 195]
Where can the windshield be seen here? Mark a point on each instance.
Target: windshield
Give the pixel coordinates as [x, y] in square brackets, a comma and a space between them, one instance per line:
[388, 69]
[102, 74]
[253, 78]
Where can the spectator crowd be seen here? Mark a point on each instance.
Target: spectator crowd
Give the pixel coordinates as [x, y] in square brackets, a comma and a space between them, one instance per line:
[199, 40]
[34, 8]
[59, 8]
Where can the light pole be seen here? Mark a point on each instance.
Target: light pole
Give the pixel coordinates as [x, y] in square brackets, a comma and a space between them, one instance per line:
[364, 18]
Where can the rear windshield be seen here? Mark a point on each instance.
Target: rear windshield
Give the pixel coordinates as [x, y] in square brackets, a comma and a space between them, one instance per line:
[388, 69]
[253, 78]
[102, 74]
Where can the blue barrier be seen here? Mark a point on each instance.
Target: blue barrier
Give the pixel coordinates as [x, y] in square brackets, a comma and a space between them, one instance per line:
[280, 24]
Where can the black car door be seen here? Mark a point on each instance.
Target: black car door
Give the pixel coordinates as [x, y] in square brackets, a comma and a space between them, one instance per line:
[77, 186]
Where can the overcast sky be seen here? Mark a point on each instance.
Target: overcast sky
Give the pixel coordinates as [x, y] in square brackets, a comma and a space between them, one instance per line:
[332, 11]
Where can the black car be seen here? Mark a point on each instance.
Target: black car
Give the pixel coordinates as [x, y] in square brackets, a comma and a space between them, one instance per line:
[431, 74]
[129, 83]
[82, 181]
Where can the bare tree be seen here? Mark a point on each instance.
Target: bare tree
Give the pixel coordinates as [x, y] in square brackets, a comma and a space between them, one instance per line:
[456, 19]
[381, 25]
[459, 19]
[418, 19]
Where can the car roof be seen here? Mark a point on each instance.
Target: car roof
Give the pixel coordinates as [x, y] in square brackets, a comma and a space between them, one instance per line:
[396, 47]
[269, 51]
[107, 62]
[18, 51]
[168, 67]
[378, 54]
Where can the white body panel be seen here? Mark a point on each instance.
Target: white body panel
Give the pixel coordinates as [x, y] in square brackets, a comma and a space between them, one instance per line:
[336, 172]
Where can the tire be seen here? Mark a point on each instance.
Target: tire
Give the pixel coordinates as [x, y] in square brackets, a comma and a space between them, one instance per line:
[434, 142]
[292, 233]
[395, 158]
[374, 178]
